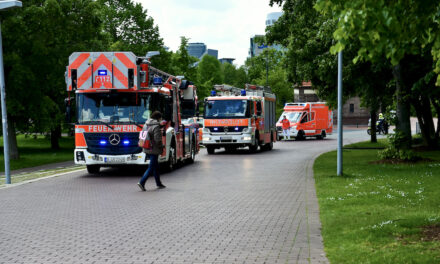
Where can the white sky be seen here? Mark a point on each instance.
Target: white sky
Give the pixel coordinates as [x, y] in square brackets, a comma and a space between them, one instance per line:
[224, 25]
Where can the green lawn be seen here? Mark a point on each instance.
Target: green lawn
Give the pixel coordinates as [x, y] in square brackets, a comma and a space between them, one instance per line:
[375, 213]
[35, 152]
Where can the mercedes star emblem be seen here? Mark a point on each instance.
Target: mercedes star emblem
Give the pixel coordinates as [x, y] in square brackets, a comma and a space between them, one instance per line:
[114, 139]
[226, 129]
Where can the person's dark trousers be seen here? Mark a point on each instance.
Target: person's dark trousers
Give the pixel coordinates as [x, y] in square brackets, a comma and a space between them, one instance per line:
[153, 168]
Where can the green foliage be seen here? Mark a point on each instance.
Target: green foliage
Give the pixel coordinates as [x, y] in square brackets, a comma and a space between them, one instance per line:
[386, 29]
[209, 73]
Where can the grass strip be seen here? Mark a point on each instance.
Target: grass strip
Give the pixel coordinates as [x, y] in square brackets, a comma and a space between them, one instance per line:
[36, 151]
[376, 213]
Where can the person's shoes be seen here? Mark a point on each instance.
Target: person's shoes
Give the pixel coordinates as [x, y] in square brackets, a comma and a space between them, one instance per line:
[161, 186]
[141, 186]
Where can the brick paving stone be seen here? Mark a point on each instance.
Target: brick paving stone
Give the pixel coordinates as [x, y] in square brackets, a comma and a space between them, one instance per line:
[224, 208]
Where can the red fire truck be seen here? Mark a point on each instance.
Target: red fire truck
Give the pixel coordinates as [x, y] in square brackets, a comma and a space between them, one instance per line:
[239, 118]
[115, 93]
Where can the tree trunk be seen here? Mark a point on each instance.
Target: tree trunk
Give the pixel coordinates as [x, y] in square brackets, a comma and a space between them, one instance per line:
[55, 134]
[12, 138]
[373, 126]
[437, 109]
[403, 124]
[422, 106]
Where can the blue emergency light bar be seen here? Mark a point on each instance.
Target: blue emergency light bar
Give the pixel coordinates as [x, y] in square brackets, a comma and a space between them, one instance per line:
[102, 72]
[102, 142]
[213, 93]
[243, 92]
[126, 142]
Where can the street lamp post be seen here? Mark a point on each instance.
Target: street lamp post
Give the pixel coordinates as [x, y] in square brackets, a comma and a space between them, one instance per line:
[4, 5]
[339, 158]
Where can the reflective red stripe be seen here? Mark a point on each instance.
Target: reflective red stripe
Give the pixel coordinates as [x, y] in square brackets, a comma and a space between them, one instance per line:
[81, 58]
[126, 61]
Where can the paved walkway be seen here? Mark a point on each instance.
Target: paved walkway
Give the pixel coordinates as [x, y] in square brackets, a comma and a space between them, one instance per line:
[224, 208]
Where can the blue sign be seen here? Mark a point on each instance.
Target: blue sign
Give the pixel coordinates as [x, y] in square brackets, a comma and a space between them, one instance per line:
[102, 72]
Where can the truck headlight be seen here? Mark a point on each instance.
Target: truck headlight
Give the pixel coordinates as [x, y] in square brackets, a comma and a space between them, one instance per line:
[247, 138]
[206, 138]
[293, 128]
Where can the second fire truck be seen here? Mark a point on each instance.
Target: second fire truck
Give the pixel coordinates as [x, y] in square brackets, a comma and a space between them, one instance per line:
[237, 118]
[116, 92]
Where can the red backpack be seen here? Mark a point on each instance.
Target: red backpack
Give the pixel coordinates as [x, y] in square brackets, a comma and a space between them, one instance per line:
[144, 138]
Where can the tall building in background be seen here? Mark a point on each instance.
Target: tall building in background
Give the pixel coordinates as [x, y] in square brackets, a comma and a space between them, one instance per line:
[254, 49]
[272, 18]
[226, 60]
[196, 49]
[212, 52]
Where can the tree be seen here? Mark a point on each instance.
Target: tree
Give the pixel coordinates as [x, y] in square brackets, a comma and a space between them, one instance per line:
[391, 30]
[308, 35]
[209, 73]
[38, 39]
[229, 73]
[129, 27]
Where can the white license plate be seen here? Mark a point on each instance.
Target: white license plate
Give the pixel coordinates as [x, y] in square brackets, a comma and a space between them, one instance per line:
[225, 138]
[114, 160]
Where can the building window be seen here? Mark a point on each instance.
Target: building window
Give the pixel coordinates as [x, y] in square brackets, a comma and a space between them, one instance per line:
[351, 108]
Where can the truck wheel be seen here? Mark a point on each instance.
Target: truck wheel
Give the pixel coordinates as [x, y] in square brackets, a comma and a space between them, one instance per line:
[193, 153]
[172, 163]
[210, 149]
[253, 148]
[322, 136]
[268, 146]
[369, 131]
[93, 169]
[300, 135]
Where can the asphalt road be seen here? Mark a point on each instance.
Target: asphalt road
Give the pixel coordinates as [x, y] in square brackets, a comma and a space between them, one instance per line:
[224, 208]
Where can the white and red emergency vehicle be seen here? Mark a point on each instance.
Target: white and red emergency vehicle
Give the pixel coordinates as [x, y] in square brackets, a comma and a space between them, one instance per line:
[236, 118]
[116, 92]
[307, 120]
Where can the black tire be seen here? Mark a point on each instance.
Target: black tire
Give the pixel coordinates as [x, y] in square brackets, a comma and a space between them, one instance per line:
[254, 147]
[369, 131]
[322, 136]
[172, 162]
[192, 153]
[268, 146]
[300, 135]
[93, 169]
[210, 149]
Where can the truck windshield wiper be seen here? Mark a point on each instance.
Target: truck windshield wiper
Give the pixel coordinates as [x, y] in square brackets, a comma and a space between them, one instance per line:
[99, 122]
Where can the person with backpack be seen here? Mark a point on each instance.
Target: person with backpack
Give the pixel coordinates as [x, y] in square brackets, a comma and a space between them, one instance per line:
[151, 139]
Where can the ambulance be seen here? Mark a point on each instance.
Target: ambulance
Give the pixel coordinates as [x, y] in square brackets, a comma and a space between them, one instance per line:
[236, 118]
[307, 120]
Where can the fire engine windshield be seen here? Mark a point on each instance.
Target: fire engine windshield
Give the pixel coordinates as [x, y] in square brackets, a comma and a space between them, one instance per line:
[117, 107]
[292, 116]
[226, 108]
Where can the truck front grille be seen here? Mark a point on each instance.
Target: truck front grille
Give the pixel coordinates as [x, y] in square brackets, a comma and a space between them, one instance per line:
[99, 143]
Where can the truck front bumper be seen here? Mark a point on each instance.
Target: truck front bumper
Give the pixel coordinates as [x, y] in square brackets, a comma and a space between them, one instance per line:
[227, 139]
[83, 157]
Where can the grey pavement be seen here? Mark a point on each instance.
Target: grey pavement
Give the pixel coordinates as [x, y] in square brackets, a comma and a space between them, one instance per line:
[224, 208]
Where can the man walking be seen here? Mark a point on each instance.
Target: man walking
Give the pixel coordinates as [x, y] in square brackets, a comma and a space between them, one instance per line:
[286, 127]
[155, 136]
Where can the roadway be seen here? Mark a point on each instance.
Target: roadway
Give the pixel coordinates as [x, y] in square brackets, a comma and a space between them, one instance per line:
[224, 208]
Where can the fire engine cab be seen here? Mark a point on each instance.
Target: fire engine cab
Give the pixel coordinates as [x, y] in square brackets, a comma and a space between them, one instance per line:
[115, 93]
[237, 118]
[307, 120]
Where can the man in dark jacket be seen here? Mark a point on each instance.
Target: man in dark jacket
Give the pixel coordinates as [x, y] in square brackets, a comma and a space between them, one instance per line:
[155, 134]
